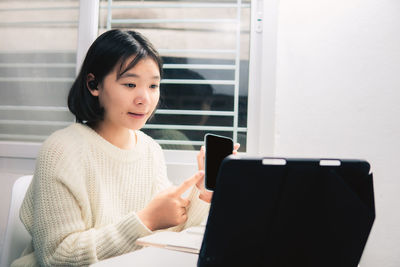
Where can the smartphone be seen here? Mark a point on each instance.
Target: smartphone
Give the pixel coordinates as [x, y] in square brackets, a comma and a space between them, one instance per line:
[217, 148]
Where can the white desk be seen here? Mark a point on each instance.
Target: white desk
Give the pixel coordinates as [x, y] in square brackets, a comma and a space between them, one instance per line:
[151, 257]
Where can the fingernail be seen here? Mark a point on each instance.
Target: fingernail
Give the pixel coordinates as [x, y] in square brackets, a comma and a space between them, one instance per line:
[201, 173]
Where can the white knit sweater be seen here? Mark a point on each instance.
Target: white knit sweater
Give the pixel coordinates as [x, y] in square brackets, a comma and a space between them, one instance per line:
[81, 205]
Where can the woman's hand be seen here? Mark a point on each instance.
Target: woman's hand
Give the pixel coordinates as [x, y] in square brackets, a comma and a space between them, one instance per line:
[168, 208]
[205, 194]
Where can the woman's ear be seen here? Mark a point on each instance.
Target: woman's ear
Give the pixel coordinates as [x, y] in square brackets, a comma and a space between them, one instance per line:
[91, 84]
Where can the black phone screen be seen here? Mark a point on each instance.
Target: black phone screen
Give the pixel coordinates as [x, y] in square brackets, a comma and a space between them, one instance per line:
[217, 148]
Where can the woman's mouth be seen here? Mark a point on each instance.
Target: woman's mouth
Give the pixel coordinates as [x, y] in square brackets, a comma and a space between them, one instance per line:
[136, 115]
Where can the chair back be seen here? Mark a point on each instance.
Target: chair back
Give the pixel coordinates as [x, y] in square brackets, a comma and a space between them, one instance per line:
[17, 237]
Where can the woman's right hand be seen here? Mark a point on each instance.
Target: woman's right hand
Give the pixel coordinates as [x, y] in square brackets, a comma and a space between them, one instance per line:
[168, 208]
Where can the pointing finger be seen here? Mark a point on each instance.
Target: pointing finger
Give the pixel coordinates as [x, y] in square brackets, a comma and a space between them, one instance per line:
[189, 183]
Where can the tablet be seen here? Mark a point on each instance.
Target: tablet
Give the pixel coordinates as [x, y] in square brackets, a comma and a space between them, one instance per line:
[289, 212]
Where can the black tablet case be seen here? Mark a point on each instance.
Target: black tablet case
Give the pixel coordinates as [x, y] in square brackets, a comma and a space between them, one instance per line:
[298, 214]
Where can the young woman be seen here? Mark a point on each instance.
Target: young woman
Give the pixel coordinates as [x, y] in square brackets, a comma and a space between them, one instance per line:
[101, 183]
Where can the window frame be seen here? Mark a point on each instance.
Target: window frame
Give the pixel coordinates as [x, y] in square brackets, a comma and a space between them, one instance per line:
[261, 94]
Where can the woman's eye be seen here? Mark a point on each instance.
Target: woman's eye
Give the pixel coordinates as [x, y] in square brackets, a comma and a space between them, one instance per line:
[130, 85]
[154, 86]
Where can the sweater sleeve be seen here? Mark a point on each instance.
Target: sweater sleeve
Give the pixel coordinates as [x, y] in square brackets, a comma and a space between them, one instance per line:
[61, 229]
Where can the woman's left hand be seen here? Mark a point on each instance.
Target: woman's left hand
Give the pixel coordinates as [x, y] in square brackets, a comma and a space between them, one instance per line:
[205, 194]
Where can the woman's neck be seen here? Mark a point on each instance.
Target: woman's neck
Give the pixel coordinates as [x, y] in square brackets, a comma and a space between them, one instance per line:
[118, 136]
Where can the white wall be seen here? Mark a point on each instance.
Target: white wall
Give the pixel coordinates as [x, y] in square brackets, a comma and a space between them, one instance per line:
[338, 95]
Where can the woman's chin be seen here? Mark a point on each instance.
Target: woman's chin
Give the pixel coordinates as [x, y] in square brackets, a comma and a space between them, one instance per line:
[136, 125]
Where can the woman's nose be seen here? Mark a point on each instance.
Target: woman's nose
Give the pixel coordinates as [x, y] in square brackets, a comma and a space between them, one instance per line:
[141, 96]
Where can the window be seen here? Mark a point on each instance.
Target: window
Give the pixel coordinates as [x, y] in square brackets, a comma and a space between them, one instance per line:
[205, 49]
[204, 44]
[37, 67]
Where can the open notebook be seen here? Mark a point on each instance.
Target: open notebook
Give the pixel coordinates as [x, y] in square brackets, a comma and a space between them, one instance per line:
[188, 240]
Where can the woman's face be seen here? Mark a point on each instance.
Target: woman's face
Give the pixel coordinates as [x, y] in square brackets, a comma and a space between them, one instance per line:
[130, 100]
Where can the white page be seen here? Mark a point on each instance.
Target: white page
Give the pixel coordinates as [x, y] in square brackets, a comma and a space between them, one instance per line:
[182, 241]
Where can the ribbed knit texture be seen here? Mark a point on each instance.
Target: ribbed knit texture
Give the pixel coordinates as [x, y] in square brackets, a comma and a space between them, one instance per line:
[81, 205]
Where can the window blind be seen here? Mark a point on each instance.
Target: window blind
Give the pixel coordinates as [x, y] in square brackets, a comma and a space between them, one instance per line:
[205, 49]
[37, 67]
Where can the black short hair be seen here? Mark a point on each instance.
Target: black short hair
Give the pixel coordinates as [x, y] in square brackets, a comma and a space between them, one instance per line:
[109, 49]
